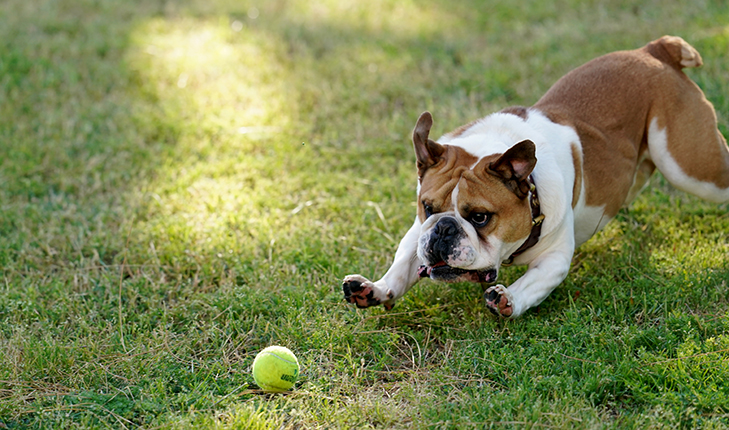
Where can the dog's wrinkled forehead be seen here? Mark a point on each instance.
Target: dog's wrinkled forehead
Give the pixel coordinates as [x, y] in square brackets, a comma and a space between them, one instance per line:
[458, 168]
[439, 181]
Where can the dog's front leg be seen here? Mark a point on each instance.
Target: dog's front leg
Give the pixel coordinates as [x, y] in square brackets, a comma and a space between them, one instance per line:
[402, 275]
[543, 276]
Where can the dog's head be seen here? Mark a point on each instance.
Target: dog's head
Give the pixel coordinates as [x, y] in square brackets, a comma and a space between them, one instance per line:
[474, 211]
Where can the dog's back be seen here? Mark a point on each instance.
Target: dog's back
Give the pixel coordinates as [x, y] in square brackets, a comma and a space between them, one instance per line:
[635, 111]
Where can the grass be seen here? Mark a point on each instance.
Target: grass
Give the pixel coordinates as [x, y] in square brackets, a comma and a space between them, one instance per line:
[185, 183]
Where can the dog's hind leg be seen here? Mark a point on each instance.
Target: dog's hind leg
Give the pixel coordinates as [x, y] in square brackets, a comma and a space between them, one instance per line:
[683, 139]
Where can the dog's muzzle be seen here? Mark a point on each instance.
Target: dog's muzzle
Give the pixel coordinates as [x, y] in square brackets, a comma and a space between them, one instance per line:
[445, 249]
[442, 240]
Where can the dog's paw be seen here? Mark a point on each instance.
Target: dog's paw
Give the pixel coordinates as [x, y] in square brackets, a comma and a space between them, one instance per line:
[363, 293]
[499, 301]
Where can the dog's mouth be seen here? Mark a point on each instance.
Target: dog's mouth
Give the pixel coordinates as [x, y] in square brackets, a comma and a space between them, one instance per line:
[442, 272]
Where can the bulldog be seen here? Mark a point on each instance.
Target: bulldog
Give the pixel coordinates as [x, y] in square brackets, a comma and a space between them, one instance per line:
[527, 186]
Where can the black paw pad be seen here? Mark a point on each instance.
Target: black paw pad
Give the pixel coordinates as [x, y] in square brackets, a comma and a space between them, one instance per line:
[492, 296]
[492, 299]
[351, 287]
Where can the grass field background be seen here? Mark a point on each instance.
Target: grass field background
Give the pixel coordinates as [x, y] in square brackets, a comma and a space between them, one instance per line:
[183, 183]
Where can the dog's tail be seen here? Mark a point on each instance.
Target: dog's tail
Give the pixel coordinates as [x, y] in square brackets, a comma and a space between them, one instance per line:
[675, 52]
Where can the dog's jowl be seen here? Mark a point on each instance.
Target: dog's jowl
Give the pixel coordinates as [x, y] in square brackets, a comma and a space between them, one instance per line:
[528, 185]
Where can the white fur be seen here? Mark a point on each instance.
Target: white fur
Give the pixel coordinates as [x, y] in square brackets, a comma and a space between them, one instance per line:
[661, 156]
[490, 135]
[588, 221]
[403, 273]
[465, 253]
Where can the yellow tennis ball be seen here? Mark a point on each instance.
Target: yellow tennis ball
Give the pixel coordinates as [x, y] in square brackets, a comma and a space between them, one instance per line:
[275, 369]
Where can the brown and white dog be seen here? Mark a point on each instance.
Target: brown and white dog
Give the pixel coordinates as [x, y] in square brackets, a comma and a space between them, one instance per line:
[529, 185]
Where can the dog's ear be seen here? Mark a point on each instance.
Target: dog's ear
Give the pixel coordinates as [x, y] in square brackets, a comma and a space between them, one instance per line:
[515, 166]
[427, 152]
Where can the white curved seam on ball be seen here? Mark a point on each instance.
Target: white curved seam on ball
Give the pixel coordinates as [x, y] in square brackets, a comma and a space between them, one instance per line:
[281, 358]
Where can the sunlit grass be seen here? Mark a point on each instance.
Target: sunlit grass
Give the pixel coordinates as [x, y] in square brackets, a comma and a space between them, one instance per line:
[247, 164]
[225, 92]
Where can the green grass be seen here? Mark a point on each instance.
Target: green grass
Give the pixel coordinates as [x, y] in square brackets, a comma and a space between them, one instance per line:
[185, 183]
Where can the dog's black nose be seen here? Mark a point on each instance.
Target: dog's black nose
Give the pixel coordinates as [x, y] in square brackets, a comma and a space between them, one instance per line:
[446, 228]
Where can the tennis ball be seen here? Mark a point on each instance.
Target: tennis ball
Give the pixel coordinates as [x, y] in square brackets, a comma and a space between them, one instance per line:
[275, 369]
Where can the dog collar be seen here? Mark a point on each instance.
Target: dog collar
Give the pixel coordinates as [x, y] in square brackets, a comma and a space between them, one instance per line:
[537, 219]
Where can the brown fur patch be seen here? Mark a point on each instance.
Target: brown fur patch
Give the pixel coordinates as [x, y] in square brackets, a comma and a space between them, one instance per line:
[603, 108]
[437, 182]
[519, 111]
[693, 129]
[577, 162]
[481, 191]
[610, 101]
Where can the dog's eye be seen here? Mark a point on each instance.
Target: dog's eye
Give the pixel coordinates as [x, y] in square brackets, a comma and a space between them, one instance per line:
[479, 219]
[428, 210]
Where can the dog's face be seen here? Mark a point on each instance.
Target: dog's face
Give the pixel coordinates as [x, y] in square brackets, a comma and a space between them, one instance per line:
[474, 212]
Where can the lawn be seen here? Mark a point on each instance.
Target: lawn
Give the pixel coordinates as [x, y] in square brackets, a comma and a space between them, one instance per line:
[183, 183]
